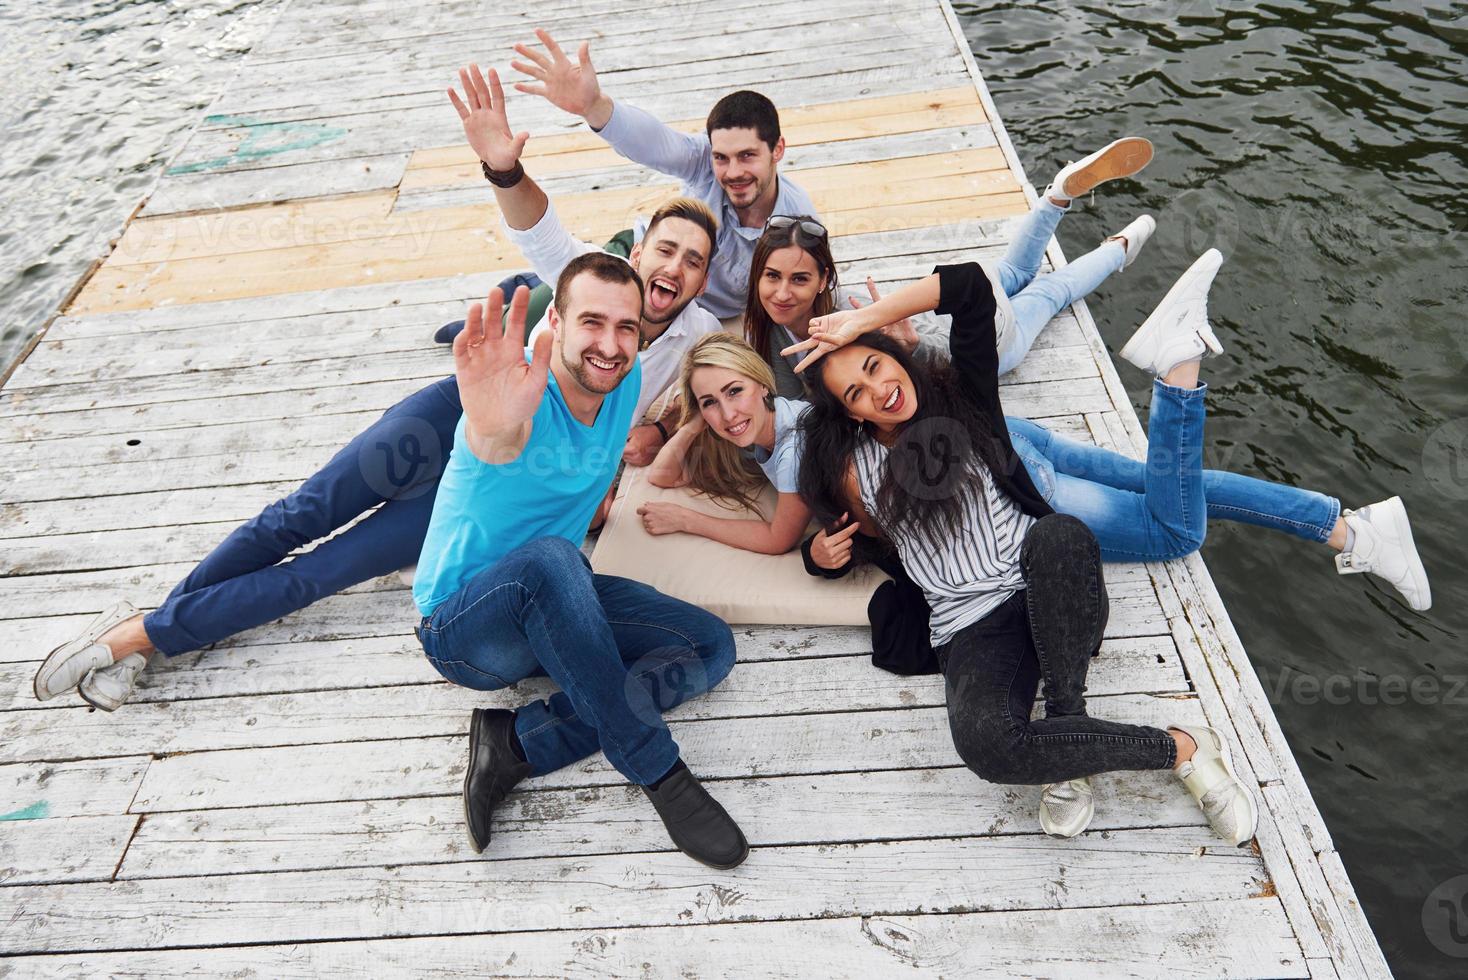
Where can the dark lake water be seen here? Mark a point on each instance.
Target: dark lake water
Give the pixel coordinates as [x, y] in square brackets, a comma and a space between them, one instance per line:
[1319, 145]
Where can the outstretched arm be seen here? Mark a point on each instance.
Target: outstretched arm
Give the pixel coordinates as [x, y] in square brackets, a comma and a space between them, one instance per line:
[667, 469]
[533, 224]
[635, 134]
[500, 391]
[773, 537]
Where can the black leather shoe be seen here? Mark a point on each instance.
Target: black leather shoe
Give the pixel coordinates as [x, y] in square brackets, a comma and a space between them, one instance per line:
[699, 826]
[494, 770]
[446, 333]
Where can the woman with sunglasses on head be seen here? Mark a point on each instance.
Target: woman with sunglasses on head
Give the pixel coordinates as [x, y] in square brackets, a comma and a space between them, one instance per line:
[1005, 533]
[793, 277]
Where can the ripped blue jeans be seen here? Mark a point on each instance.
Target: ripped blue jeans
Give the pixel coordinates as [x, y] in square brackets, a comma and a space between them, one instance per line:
[1159, 509]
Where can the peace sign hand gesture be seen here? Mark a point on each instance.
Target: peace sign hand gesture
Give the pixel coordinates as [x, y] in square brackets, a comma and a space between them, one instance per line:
[482, 111]
[499, 390]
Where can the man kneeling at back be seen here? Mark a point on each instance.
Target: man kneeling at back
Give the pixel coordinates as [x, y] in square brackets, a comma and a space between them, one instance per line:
[505, 592]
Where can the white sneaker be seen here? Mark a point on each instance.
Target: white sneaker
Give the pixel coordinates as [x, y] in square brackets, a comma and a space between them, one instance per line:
[108, 688]
[1178, 330]
[1221, 794]
[1066, 808]
[1134, 236]
[65, 667]
[1384, 548]
[1121, 158]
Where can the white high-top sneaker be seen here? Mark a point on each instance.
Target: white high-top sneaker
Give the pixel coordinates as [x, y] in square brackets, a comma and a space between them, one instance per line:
[1066, 808]
[1178, 330]
[1384, 547]
[108, 688]
[1134, 236]
[1120, 158]
[64, 668]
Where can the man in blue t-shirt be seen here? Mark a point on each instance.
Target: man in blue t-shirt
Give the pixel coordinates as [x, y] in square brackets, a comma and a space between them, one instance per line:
[505, 592]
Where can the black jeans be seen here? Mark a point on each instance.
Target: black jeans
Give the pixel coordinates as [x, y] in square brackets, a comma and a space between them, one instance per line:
[1047, 632]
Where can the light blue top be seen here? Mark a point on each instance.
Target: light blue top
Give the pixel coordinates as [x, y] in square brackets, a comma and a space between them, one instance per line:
[782, 464]
[641, 138]
[484, 511]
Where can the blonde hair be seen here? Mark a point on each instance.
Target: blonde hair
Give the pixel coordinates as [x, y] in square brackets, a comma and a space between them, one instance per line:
[715, 466]
[689, 209]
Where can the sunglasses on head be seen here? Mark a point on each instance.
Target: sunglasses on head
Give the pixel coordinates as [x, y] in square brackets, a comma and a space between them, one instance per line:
[809, 227]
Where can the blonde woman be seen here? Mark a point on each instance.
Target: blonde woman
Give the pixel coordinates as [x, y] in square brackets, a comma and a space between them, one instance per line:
[735, 436]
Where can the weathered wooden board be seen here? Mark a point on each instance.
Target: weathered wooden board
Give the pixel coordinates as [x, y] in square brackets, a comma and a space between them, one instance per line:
[1184, 940]
[1160, 865]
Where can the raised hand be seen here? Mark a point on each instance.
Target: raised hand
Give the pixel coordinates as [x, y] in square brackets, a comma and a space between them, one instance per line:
[482, 111]
[901, 331]
[830, 332]
[567, 86]
[833, 550]
[500, 392]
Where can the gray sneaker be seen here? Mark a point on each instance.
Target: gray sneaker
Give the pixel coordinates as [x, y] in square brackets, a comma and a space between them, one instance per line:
[65, 667]
[108, 688]
[1066, 808]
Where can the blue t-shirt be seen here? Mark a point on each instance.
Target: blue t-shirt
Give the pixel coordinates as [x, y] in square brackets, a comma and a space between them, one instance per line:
[782, 464]
[483, 511]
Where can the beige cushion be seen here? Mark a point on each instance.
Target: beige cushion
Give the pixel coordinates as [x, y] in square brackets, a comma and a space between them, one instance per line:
[738, 586]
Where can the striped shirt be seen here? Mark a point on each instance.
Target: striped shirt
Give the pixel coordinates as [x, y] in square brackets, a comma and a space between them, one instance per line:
[966, 576]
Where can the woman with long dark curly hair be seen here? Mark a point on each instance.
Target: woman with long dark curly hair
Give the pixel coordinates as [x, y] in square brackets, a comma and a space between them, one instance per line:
[924, 459]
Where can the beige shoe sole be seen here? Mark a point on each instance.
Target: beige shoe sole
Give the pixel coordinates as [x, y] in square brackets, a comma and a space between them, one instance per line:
[1122, 158]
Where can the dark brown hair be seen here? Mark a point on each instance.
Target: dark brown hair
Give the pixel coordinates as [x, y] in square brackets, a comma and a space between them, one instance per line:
[599, 265]
[757, 323]
[746, 110]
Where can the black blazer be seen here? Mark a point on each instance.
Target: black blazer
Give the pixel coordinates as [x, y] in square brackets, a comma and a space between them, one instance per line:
[899, 611]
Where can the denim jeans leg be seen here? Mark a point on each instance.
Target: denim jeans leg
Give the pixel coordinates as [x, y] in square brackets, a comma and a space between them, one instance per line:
[1067, 607]
[1228, 496]
[1040, 301]
[1021, 262]
[541, 598]
[398, 458]
[673, 649]
[991, 674]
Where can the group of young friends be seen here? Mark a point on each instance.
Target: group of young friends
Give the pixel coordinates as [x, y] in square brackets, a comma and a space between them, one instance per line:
[722, 353]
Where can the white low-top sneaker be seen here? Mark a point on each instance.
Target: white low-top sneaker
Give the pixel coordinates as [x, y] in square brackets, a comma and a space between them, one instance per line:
[1221, 794]
[109, 688]
[1384, 547]
[1117, 159]
[65, 667]
[1178, 330]
[1134, 236]
[1066, 808]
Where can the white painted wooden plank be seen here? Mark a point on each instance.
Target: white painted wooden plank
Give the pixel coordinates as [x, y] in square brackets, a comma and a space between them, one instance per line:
[724, 749]
[157, 511]
[178, 193]
[1358, 929]
[1004, 873]
[824, 808]
[33, 732]
[39, 852]
[44, 790]
[1153, 941]
[820, 677]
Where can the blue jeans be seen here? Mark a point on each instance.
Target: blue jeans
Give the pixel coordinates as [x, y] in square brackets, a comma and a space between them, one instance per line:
[622, 653]
[1159, 509]
[1037, 299]
[396, 462]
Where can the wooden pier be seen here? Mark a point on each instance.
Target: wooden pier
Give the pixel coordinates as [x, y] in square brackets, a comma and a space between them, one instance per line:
[287, 804]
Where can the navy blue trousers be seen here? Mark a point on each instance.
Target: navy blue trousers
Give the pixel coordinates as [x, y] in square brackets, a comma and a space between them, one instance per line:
[394, 466]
